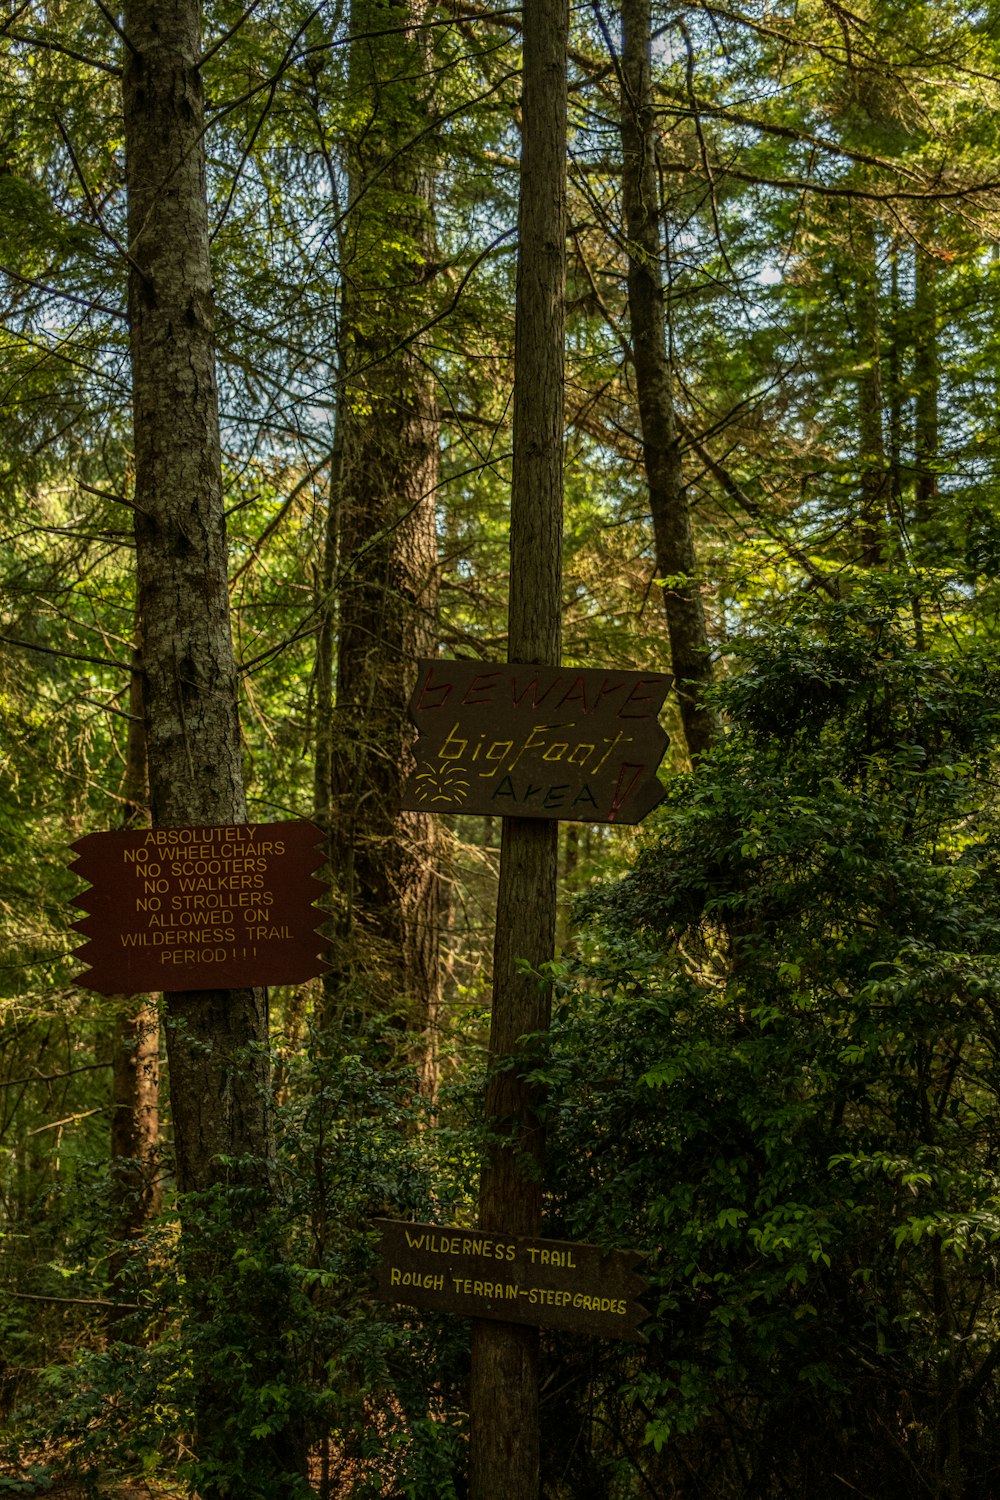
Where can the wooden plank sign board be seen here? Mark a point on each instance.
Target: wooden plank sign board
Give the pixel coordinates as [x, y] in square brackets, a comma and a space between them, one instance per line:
[537, 742]
[201, 908]
[511, 1278]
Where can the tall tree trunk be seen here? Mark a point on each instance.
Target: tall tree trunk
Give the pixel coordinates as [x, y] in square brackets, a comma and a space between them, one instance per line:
[504, 1452]
[135, 1071]
[673, 539]
[384, 861]
[217, 1040]
[895, 377]
[926, 380]
[871, 443]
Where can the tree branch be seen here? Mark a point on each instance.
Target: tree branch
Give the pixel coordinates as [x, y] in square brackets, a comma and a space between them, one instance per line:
[96, 661]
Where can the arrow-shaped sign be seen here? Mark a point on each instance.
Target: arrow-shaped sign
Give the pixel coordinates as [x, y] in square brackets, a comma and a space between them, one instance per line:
[537, 742]
[512, 1278]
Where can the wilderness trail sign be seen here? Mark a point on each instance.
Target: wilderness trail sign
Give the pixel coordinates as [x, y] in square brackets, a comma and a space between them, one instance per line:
[537, 742]
[204, 908]
[512, 1278]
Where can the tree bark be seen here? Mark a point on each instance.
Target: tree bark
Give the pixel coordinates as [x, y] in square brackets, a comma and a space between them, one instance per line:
[505, 1445]
[135, 1069]
[217, 1040]
[385, 861]
[871, 441]
[894, 372]
[190, 680]
[673, 538]
[926, 379]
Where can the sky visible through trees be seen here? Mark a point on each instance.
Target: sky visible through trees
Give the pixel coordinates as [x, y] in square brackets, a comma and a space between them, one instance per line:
[773, 1060]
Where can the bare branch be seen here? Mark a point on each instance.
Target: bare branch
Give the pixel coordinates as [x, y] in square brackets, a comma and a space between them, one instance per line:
[49, 45]
[54, 291]
[10, 1083]
[76, 1301]
[96, 661]
[113, 23]
[91, 200]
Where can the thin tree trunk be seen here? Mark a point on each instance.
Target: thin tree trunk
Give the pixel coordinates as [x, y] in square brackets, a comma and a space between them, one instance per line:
[871, 443]
[217, 1040]
[135, 1072]
[325, 677]
[673, 539]
[926, 379]
[504, 1454]
[384, 861]
[895, 376]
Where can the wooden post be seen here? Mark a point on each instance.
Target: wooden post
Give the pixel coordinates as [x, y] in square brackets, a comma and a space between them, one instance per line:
[504, 1384]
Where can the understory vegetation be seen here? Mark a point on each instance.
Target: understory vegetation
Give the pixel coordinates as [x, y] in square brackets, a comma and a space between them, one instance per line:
[773, 1066]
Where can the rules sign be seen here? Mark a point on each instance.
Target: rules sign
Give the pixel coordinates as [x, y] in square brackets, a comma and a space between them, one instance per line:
[203, 908]
[537, 742]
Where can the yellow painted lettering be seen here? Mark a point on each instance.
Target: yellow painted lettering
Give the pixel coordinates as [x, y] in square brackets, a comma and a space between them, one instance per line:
[496, 753]
[457, 749]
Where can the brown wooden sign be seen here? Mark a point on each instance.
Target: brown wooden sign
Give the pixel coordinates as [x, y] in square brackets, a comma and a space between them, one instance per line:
[199, 908]
[512, 1278]
[537, 742]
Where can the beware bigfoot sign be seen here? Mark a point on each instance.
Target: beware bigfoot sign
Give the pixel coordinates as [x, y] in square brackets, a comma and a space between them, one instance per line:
[537, 742]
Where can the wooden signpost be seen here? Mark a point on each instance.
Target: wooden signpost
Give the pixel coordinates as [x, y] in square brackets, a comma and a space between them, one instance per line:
[512, 1278]
[201, 908]
[570, 743]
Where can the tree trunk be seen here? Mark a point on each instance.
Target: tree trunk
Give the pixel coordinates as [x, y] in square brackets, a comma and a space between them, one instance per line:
[217, 1040]
[135, 1072]
[384, 861]
[504, 1452]
[926, 379]
[672, 535]
[871, 442]
[190, 680]
[896, 399]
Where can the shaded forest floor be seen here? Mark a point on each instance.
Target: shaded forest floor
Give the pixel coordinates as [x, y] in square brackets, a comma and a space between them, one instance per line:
[67, 1489]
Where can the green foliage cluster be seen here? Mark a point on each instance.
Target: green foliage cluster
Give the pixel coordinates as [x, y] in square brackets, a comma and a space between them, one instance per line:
[294, 1257]
[775, 1070]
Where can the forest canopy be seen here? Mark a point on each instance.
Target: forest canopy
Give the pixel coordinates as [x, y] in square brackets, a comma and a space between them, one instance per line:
[274, 398]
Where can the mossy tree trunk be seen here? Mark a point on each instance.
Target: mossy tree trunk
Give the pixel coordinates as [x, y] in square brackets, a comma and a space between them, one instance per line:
[217, 1040]
[387, 888]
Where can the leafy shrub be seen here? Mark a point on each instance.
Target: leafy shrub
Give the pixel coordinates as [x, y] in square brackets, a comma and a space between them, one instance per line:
[776, 1069]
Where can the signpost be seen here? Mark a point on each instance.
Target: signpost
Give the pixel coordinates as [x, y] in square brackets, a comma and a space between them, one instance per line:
[537, 742]
[512, 1278]
[201, 908]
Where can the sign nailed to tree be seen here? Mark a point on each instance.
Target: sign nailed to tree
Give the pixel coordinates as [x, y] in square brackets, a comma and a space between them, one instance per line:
[537, 742]
[202, 908]
[512, 1278]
